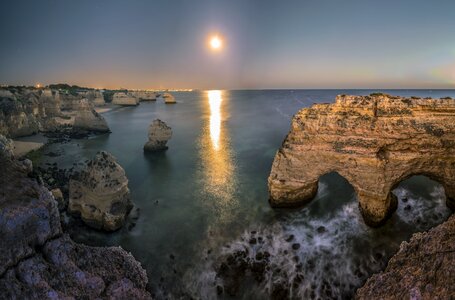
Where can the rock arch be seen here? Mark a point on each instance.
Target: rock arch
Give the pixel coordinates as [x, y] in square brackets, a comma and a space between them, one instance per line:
[374, 142]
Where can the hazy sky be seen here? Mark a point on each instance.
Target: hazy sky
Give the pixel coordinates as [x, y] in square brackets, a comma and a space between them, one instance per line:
[268, 44]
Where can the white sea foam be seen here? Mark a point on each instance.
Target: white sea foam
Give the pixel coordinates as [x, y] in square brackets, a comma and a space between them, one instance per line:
[337, 252]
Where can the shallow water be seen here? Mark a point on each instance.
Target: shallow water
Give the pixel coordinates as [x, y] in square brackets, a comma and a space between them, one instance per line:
[200, 200]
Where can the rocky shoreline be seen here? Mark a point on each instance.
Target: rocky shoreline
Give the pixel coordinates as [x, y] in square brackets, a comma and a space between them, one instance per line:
[39, 260]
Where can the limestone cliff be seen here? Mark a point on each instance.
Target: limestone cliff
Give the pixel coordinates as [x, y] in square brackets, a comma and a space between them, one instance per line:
[373, 141]
[423, 268]
[125, 99]
[144, 95]
[100, 193]
[38, 261]
[26, 111]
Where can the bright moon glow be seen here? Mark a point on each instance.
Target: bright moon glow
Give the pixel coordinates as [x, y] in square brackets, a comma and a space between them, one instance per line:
[215, 118]
[215, 43]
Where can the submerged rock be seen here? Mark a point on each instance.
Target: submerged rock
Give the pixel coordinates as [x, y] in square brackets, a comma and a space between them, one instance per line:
[100, 193]
[423, 268]
[38, 261]
[125, 99]
[159, 134]
[374, 141]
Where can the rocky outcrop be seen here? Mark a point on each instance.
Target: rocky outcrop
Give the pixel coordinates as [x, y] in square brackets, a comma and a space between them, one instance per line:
[169, 98]
[26, 111]
[373, 141]
[423, 268]
[86, 118]
[159, 134]
[38, 261]
[93, 96]
[125, 99]
[144, 95]
[100, 193]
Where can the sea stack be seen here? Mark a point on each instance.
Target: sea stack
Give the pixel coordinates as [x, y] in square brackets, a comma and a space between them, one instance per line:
[125, 99]
[375, 142]
[169, 98]
[159, 134]
[100, 193]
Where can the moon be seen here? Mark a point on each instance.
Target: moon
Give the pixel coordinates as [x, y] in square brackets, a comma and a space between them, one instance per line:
[216, 43]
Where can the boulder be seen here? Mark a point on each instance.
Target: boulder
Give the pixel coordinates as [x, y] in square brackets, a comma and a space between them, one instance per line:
[423, 268]
[38, 261]
[125, 99]
[100, 194]
[375, 142]
[159, 134]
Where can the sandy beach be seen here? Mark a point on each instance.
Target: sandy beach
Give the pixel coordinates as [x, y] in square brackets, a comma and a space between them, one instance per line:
[21, 148]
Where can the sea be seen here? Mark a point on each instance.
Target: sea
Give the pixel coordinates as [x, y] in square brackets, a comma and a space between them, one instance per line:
[206, 197]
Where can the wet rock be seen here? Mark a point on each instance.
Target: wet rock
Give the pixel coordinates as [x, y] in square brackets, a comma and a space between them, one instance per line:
[290, 238]
[321, 229]
[159, 134]
[423, 268]
[100, 193]
[295, 246]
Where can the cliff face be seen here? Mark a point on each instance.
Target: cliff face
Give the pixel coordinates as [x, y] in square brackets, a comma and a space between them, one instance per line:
[423, 268]
[24, 111]
[38, 261]
[125, 99]
[27, 111]
[375, 142]
[100, 193]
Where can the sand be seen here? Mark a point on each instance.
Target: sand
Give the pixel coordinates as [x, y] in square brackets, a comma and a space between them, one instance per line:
[21, 148]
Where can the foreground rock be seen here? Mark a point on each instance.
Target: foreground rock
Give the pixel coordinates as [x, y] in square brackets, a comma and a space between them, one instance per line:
[169, 98]
[125, 99]
[375, 142]
[100, 193]
[159, 134]
[37, 261]
[423, 268]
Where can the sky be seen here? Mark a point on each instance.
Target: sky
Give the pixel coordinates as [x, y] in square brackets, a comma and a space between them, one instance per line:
[140, 44]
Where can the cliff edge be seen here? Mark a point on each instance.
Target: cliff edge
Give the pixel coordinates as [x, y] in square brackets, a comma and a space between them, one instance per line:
[375, 142]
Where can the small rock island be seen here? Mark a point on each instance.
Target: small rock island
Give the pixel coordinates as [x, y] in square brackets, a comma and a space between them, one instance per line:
[159, 134]
[375, 142]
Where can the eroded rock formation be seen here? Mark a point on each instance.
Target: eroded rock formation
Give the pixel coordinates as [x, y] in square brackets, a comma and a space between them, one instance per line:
[169, 98]
[159, 134]
[38, 261]
[100, 193]
[373, 141]
[144, 95]
[86, 118]
[26, 111]
[125, 99]
[423, 268]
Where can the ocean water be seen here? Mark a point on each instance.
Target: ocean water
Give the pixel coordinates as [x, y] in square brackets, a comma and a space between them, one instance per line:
[206, 197]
